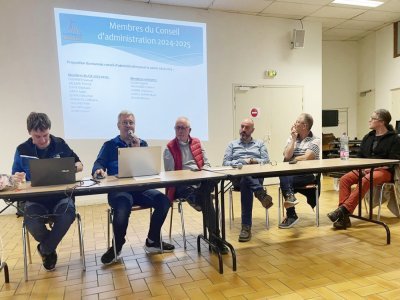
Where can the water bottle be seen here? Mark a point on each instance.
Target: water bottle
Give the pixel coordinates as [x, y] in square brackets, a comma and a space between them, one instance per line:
[344, 147]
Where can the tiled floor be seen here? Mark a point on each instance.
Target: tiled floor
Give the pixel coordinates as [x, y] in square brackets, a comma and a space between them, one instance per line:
[305, 262]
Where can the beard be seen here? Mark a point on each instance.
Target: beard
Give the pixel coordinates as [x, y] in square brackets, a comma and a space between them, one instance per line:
[244, 136]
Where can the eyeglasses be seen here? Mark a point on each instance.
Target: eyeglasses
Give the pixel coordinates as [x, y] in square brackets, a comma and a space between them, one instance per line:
[130, 123]
[181, 127]
[374, 119]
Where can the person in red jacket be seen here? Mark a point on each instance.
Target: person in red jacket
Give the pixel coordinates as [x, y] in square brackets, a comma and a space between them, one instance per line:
[187, 153]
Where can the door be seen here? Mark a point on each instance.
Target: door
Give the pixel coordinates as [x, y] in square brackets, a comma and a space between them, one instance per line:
[274, 109]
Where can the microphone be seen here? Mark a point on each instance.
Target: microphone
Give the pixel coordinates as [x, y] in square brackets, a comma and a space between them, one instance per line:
[238, 165]
[133, 137]
[131, 134]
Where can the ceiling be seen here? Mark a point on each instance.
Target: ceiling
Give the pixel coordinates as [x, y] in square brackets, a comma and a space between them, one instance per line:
[339, 22]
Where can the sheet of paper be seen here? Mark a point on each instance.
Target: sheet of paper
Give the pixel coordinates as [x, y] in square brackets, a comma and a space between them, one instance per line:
[222, 168]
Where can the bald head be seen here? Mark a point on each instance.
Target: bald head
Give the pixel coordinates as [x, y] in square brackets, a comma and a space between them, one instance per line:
[246, 130]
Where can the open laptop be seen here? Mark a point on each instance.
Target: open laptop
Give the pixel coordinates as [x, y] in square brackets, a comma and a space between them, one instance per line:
[139, 161]
[51, 171]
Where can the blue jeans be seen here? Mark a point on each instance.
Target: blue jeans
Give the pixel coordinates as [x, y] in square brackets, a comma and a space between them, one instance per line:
[61, 213]
[122, 202]
[201, 195]
[247, 185]
[289, 183]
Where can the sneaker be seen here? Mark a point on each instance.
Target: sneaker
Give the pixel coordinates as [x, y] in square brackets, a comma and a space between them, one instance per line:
[338, 214]
[245, 233]
[154, 247]
[49, 260]
[265, 199]
[290, 201]
[289, 222]
[342, 223]
[109, 257]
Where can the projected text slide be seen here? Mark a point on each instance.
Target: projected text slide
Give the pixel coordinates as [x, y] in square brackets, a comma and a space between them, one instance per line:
[155, 68]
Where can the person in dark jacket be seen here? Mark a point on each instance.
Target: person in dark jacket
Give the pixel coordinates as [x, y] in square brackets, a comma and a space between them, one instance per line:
[60, 210]
[381, 143]
[122, 202]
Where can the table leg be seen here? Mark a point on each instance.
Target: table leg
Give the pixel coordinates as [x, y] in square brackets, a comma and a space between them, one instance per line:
[223, 227]
[211, 237]
[219, 235]
[3, 265]
[369, 219]
[8, 204]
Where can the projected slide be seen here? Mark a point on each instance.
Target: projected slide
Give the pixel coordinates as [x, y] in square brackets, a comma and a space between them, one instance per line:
[153, 67]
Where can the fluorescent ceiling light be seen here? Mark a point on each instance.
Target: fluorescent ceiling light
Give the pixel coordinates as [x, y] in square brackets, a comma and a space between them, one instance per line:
[368, 3]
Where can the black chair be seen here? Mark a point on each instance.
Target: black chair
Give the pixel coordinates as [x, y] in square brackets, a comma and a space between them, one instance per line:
[311, 191]
[232, 188]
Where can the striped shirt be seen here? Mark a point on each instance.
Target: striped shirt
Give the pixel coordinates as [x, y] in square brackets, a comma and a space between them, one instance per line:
[238, 151]
[309, 143]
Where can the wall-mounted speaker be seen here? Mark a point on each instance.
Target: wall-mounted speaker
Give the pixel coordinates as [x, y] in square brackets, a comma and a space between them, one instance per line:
[298, 38]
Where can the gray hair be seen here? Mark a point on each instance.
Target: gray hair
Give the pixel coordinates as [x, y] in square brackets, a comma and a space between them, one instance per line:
[125, 113]
[308, 120]
[385, 116]
[185, 119]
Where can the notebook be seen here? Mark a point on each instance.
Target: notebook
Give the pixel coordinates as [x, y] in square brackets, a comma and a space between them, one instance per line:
[51, 171]
[139, 161]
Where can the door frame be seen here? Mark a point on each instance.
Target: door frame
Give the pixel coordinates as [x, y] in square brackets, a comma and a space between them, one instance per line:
[236, 86]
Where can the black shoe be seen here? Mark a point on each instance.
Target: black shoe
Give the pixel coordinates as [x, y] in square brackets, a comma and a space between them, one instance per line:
[194, 205]
[338, 214]
[155, 247]
[109, 257]
[265, 199]
[290, 201]
[342, 223]
[49, 260]
[289, 222]
[222, 248]
[245, 233]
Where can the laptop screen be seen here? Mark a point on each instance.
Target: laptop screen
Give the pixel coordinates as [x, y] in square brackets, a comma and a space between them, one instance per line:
[52, 171]
[139, 161]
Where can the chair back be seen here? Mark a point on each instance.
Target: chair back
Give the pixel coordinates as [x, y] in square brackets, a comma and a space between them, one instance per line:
[309, 190]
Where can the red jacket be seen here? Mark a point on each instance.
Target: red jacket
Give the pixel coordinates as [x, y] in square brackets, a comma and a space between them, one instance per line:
[195, 148]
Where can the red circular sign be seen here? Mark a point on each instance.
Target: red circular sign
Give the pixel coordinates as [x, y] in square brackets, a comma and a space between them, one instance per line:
[254, 112]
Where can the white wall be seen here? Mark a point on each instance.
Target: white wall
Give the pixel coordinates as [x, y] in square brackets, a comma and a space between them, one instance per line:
[366, 63]
[387, 74]
[240, 49]
[340, 80]
[352, 67]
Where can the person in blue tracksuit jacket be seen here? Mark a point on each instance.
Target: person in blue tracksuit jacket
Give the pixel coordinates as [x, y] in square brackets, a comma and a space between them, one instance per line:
[59, 210]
